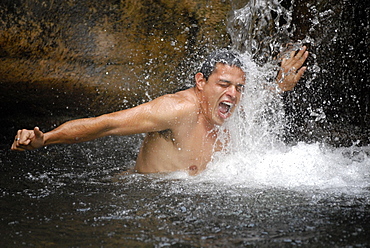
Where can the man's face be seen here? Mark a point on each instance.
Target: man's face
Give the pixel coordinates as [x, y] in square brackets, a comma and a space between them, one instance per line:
[221, 92]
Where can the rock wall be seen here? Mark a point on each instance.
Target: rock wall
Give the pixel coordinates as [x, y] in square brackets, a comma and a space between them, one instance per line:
[86, 57]
[65, 59]
[333, 101]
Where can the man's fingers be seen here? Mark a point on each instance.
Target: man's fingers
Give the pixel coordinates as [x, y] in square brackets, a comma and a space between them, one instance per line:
[291, 69]
[19, 134]
[19, 137]
[299, 62]
[17, 148]
[297, 55]
[295, 62]
[38, 133]
[296, 59]
[23, 138]
[300, 73]
[301, 52]
[283, 62]
[25, 142]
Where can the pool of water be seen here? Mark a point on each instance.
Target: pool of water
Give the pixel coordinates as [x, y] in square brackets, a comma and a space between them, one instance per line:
[71, 196]
[259, 193]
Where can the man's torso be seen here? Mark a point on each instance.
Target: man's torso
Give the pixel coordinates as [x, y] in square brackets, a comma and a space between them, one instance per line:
[188, 146]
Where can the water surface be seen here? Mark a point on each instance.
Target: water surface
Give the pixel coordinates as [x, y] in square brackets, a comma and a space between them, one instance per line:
[71, 196]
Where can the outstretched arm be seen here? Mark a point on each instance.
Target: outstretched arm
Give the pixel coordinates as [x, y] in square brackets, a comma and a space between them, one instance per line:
[291, 69]
[68, 133]
[160, 114]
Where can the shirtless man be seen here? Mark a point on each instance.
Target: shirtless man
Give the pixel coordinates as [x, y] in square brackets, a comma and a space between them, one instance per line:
[181, 128]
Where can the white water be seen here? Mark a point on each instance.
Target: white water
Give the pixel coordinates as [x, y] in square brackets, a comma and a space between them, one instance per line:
[256, 155]
[300, 166]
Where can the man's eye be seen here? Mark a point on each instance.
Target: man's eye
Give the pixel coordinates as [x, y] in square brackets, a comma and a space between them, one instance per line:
[223, 85]
[240, 88]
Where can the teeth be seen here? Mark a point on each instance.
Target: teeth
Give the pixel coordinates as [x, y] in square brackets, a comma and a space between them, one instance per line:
[225, 108]
[228, 104]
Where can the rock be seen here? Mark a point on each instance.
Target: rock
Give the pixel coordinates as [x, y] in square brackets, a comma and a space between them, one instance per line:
[66, 59]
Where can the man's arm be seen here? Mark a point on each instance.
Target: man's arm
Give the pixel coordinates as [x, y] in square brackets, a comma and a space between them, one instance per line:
[291, 69]
[159, 114]
[74, 131]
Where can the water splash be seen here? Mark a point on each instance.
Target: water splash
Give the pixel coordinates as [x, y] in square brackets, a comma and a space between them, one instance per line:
[257, 154]
[260, 28]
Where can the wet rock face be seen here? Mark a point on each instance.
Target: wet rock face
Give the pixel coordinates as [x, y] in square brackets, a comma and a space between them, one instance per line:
[77, 58]
[333, 100]
[65, 59]
[331, 103]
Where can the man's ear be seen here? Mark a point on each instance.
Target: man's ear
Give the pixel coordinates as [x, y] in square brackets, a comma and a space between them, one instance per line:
[200, 80]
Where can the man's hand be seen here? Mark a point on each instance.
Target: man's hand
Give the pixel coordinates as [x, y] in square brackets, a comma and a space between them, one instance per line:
[28, 140]
[291, 69]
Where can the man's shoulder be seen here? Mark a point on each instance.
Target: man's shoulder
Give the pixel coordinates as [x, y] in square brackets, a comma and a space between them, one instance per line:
[182, 106]
[182, 100]
[187, 95]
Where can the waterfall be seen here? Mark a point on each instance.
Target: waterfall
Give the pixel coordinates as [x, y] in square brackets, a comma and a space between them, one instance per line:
[258, 151]
[330, 104]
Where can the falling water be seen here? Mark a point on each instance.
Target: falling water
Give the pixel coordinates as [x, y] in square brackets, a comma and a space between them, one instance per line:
[258, 154]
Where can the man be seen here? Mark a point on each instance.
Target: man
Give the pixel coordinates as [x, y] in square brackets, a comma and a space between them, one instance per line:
[182, 127]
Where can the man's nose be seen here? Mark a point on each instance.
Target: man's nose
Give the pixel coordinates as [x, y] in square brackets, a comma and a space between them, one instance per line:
[231, 91]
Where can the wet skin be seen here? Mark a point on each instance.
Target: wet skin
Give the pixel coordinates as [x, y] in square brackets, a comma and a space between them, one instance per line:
[189, 141]
[181, 128]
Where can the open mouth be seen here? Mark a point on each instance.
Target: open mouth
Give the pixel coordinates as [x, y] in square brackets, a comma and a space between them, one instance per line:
[225, 109]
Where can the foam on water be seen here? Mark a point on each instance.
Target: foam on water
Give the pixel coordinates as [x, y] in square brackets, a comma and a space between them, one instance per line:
[300, 166]
[256, 156]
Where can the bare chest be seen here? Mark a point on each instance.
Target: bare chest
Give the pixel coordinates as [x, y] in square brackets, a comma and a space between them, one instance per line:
[195, 149]
[168, 151]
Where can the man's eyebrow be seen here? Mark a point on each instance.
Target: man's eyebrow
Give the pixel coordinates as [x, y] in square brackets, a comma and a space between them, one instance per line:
[229, 82]
[225, 81]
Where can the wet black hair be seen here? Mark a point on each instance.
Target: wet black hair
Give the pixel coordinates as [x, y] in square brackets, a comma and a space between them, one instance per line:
[224, 56]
